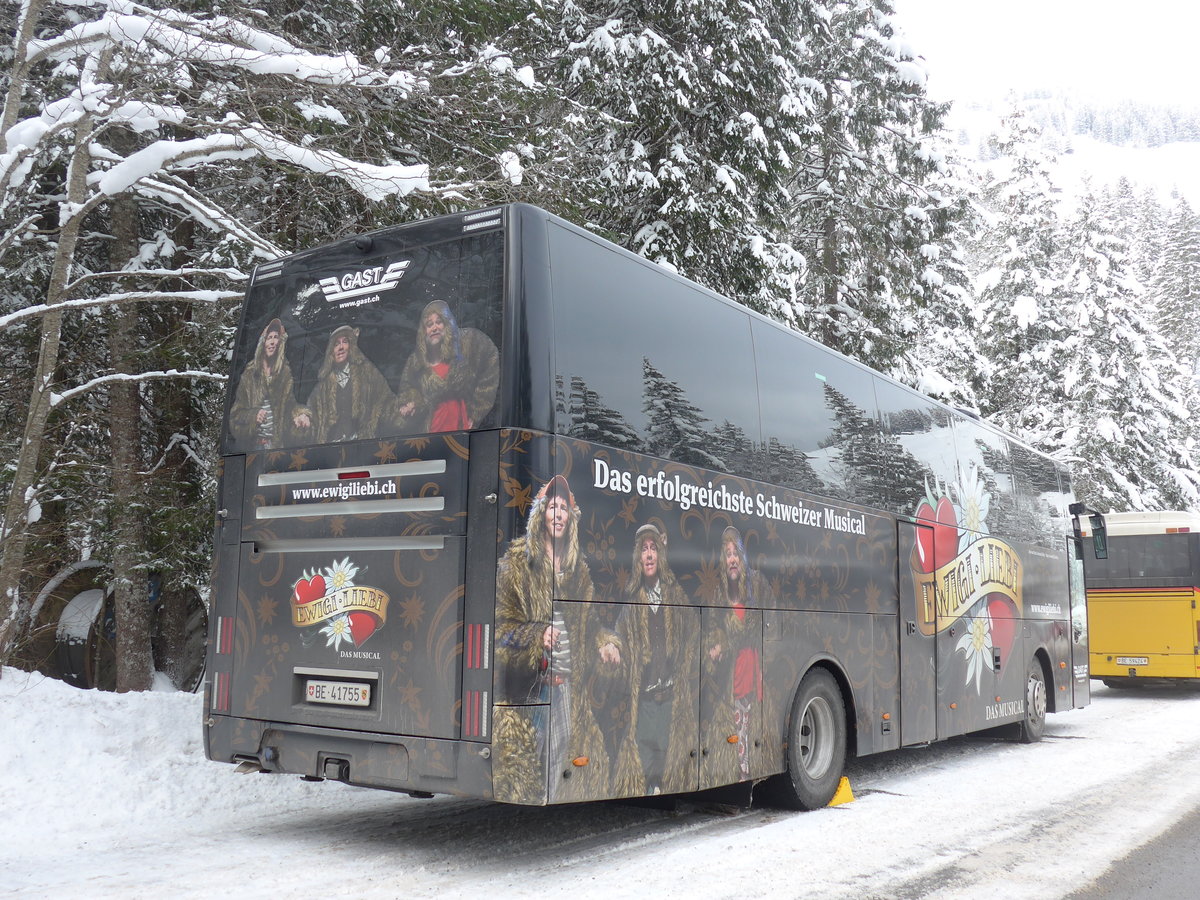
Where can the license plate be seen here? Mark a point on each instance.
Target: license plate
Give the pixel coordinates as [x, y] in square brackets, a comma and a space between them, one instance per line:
[338, 693]
[1133, 661]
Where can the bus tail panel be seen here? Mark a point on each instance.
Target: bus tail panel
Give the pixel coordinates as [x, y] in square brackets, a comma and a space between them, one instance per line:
[339, 613]
[1152, 633]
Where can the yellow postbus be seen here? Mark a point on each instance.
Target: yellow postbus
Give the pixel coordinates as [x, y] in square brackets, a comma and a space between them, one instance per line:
[1142, 611]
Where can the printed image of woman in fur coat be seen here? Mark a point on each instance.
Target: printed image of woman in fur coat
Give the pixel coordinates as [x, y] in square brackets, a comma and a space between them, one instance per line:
[450, 381]
[544, 651]
[351, 395]
[265, 412]
[657, 638]
[734, 654]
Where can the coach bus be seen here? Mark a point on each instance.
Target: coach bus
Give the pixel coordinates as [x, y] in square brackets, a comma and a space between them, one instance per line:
[508, 512]
[1142, 599]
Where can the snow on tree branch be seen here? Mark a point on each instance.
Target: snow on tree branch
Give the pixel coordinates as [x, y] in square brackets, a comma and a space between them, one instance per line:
[33, 312]
[56, 399]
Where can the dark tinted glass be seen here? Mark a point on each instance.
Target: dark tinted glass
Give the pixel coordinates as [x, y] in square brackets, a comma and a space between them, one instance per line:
[1144, 560]
[820, 408]
[334, 344]
[635, 362]
[985, 487]
[921, 447]
[1043, 506]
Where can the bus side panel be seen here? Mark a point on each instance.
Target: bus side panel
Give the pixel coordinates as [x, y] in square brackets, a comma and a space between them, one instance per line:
[861, 649]
[624, 681]
[223, 605]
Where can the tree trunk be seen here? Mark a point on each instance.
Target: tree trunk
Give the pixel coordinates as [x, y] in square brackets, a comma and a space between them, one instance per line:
[25, 475]
[131, 599]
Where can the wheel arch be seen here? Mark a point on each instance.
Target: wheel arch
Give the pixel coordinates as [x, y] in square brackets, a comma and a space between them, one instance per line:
[1042, 656]
[849, 704]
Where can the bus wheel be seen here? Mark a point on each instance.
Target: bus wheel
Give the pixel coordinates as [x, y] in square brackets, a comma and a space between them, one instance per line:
[1034, 723]
[816, 750]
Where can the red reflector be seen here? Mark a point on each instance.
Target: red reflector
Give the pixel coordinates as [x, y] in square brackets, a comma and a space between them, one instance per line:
[354, 474]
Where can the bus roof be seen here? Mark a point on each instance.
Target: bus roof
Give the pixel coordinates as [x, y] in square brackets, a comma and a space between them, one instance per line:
[1167, 522]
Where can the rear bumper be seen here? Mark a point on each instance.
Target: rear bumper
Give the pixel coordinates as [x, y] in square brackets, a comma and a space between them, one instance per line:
[387, 761]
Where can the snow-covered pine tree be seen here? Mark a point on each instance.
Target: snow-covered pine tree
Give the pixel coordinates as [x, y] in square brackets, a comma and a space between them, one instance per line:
[1021, 319]
[205, 121]
[1175, 292]
[1126, 420]
[869, 218]
[690, 118]
[593, 420]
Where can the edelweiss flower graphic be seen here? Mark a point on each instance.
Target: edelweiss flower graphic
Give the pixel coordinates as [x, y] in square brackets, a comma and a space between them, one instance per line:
[976, 646]
[337, 630]
[972, 507]
[340, 575]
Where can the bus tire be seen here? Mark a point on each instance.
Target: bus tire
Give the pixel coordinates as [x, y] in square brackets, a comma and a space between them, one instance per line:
[816, 748]
[1033, 725]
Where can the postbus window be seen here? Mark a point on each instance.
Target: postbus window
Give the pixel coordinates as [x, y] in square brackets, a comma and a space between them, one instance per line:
[821, 407]
[626, 337]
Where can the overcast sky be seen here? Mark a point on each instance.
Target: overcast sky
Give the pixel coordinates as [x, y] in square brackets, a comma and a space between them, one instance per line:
[1097, 48]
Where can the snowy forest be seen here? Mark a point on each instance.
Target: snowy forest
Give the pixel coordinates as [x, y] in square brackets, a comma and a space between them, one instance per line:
[785, 154]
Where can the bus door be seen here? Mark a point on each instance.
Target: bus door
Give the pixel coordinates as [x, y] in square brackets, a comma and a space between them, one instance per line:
[1081, 692]
[918, 635]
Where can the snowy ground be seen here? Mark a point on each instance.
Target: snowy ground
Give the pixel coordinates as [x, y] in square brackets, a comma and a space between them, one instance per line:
[106, 795]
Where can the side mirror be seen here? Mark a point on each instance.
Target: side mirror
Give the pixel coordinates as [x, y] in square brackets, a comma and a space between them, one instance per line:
[1099, 535]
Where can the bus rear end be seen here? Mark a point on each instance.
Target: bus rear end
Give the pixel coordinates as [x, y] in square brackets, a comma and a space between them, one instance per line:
[342, 643]
[1142, 599]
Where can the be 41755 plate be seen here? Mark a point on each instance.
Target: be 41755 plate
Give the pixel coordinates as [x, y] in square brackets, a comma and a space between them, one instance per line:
[337, 693]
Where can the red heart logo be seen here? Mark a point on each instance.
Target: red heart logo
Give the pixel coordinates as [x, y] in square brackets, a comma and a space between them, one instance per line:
[925, 538]
[945, 533]
[1002, 611]
[362, 626]
[309, 589]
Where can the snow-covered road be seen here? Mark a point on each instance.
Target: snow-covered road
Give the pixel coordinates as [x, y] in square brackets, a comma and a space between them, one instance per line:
[110, 796]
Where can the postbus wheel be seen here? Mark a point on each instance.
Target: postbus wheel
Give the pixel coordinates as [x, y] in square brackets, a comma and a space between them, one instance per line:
[816, 749]
[1033, 725]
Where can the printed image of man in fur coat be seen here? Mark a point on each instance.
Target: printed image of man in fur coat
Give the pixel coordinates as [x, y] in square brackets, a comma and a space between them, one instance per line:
[265, 412]
[449, 383]
[544, 653]
[734, 655]
[657, 638]
[351, 395]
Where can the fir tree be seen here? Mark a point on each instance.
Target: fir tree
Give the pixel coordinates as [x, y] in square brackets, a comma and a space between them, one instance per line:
[676, 428]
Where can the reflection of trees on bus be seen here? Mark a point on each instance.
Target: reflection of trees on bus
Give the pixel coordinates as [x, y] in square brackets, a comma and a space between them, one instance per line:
[589, 419]
[873, 467]
[676, 427]
[351, 395]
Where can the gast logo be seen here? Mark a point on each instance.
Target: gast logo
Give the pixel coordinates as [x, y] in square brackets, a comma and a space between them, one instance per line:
[327, 603]
[364, 281]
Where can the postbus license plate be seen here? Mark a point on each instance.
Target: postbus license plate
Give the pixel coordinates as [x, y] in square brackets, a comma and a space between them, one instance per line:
[1133, 661]
[338, 693]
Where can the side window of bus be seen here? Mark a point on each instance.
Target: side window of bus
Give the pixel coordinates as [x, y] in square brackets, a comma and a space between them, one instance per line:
[819, 409]
[922, 449]
[1039, 497]
[627, 367]
[986, 480]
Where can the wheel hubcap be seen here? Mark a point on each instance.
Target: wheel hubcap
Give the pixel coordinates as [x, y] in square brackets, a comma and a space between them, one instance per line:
[1036, 699]
[816, 737]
